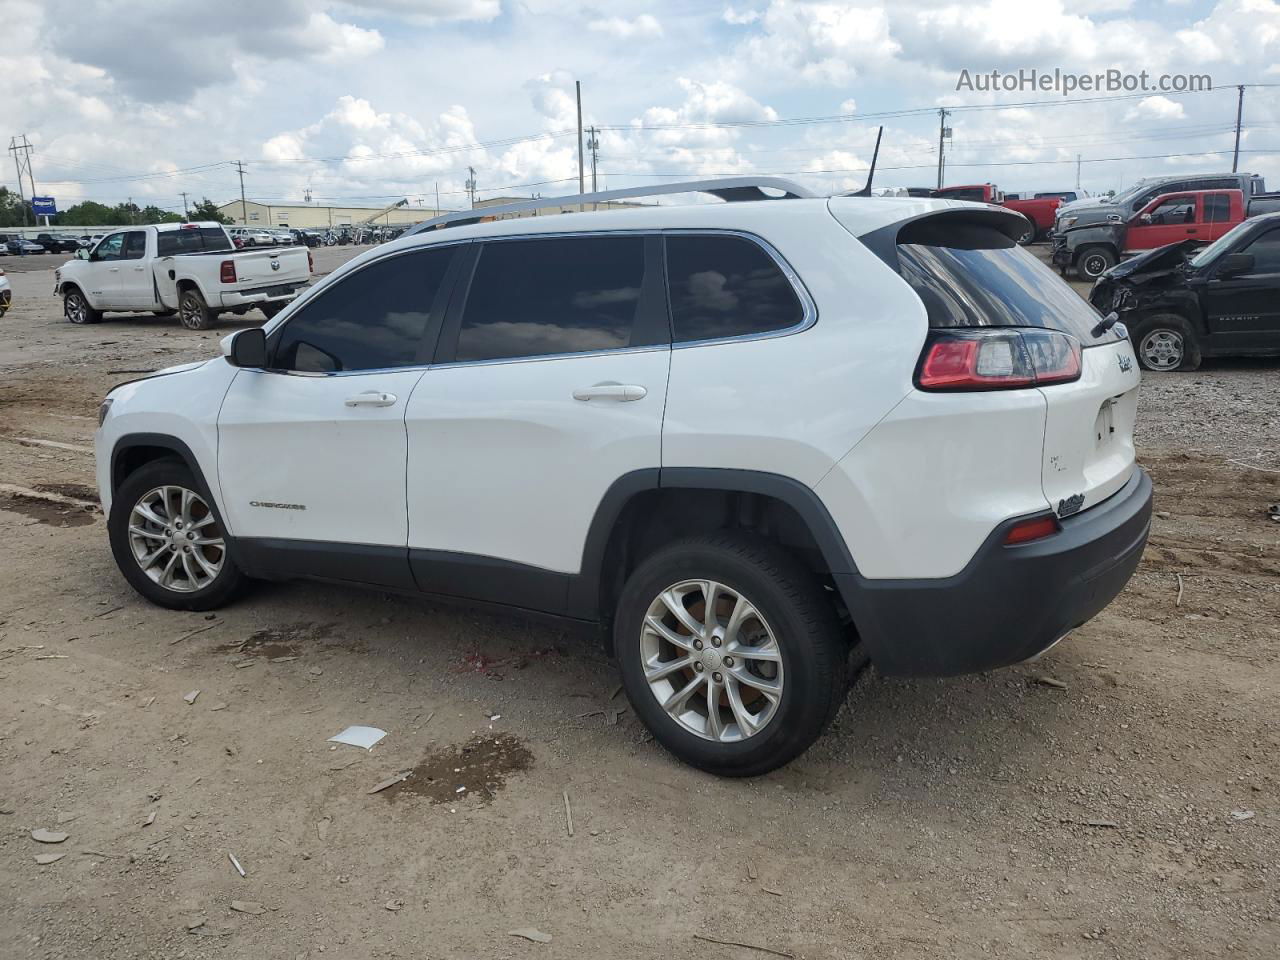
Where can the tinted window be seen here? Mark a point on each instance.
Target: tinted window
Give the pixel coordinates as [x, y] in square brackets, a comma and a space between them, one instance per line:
[1217, 208]
[110, 248]
[1220, 183]
[1174, 210]
[135, 245]
[192, 240]
[532, 298]
[1266, 253]
[727, 287]
[1149, 195]
[372, 319]
[974, 276]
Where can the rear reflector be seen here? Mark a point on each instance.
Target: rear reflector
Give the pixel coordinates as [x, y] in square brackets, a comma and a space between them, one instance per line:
[228, 272]
[1024, 531]
[997, 358]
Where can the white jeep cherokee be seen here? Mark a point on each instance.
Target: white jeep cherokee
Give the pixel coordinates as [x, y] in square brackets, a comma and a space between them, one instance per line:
[764, 442]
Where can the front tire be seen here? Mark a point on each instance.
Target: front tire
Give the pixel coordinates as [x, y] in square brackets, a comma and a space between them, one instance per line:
[1166, 342]
[168, 540]
[193, 312]
[742, 685]
[75, 307]
[1093, 262]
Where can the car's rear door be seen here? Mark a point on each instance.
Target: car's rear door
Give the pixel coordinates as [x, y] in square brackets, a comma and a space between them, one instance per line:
[312, 451]
[1244, 309]
[548, 386]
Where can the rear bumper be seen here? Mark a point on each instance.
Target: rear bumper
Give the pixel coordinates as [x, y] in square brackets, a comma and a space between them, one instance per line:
[282, 293]
[1010, 602]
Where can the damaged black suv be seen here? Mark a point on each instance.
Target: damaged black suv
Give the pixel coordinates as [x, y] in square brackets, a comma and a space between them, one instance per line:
[1181, 305]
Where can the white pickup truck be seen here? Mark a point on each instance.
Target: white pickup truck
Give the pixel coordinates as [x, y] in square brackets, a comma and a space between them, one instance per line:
[191, 269]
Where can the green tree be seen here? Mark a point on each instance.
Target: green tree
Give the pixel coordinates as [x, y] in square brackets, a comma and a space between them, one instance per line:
[90, 213]
[13, 213]
[206, 209]
[153, 214]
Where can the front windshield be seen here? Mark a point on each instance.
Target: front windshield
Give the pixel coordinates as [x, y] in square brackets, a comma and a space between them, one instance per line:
[1212, 251]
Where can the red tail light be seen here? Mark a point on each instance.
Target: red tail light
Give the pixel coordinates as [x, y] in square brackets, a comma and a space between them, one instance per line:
[1037, 528]
[228, 272]
[997, 358]
[311, 263]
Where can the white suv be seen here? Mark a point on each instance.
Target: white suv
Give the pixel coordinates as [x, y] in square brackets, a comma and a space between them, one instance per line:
[763, 442]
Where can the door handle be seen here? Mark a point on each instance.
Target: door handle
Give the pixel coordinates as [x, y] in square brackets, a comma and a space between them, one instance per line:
[1192, 230]
[609, 390]
[371, 398]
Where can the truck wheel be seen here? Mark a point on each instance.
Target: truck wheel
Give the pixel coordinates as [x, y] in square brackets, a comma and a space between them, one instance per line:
[1028, 236]
[1093, 262]
[269, 310]
[730, 653]
[193, 312]
[169, 542]
[76, 308]
[1166, 342]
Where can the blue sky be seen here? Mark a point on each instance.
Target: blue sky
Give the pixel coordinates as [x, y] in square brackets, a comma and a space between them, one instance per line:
[368, 99]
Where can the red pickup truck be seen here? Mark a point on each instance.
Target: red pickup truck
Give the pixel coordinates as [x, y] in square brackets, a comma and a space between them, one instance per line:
[1201, 215]
[1040, 210]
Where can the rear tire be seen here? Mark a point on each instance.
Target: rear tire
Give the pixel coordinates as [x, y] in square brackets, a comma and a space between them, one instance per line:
[1166, 342]
[165, 538]
[1093, 262]
[780, 674]
[75, 307]
[269, 310]
[1028, 236]
[193, 312]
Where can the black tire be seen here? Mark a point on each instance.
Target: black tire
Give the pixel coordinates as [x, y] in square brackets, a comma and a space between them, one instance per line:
[1165, 342]
[160, 473]
[814, 652]
[1028, 236]
[193, 312]
[75, 307]
[269, 310]
[1093, 262]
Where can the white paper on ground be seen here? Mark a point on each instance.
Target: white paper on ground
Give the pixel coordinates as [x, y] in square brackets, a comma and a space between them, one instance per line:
[358, 736]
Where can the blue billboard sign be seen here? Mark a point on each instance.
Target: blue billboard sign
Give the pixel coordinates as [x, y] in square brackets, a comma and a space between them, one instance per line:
[44, 207]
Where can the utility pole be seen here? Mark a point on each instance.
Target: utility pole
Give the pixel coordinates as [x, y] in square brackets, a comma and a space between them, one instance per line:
[1078, 172]
[582, 186]
[129, 204]
[1235, 160]
[186, 212]
[593, 144]
[471, 187]
[437, 198]
[942, 134]
[22, 160]
[244, 210]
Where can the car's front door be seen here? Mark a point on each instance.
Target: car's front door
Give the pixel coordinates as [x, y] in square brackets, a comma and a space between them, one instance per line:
[136, 287]
[549, 386]
[102, 273]
[1244, 310]
[1170, 220]
[311, 451]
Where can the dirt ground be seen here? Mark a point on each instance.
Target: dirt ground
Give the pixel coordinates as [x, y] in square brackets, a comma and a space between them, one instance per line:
[1128, 809]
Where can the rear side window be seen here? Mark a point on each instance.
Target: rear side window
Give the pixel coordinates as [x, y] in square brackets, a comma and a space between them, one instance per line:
[550, 296]
[170, 243]
[726, 286]
[373, 319]
[1217, 208]
[969, 275]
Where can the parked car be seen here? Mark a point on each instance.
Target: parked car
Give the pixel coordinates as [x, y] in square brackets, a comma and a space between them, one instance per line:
[1181, 305]
[86, 241]
[1039, 211]
[1066, 196]
[311, 238]
[19, 245]
[763, 443]
[6, 294]
[253, 236]
[57, 243]
[1122, 207]
[191, 269]
[1201, 215]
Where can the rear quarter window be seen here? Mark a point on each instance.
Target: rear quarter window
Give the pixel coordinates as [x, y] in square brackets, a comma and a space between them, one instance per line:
[971, 275]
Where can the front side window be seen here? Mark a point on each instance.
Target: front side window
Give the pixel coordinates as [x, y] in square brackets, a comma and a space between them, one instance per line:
[726, 286]
[551, 296]
[110, 248]
[135, 245]
[1173, 211]
[373, 319]
[1266, 252]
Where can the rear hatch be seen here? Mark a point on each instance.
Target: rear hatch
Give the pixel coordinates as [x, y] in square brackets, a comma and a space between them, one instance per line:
[980, 287]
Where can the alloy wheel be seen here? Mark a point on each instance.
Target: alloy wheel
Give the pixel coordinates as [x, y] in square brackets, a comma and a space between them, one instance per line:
[711, 660]
[175, 539]
[189, 313]
[1094, 266]
[1162, 349]
[75, 308]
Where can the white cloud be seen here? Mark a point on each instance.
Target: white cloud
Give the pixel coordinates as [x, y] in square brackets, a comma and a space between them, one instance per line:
[426, 12]
[820, 43]
[643, 27]
[1157, 108]
[739, 18]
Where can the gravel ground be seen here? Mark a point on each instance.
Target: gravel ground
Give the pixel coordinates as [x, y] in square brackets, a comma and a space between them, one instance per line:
[1128, 808]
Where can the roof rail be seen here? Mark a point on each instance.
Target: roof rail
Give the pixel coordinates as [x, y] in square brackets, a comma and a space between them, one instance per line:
[731, 189]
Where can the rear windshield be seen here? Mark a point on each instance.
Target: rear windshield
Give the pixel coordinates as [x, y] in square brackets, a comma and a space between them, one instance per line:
[194, 240]
[970, 275]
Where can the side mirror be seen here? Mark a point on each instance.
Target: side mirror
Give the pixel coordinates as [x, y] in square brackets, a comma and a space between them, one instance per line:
[82, 254]
[1234, 264]
[248, 348]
